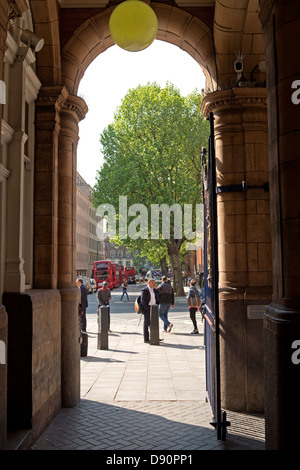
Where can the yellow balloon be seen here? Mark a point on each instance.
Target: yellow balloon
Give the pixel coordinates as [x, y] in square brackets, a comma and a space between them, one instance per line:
[133, 25]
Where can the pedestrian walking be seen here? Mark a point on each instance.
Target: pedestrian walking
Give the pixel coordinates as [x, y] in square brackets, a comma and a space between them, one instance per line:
[194, 302]
[149, 296]
[166, 301]
[103, 298]
[124, 287]
[83, 302]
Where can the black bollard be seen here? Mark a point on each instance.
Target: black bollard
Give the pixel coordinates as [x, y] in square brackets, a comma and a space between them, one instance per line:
[84, 344]
[103, 313]
[83, 337]
[154, 325]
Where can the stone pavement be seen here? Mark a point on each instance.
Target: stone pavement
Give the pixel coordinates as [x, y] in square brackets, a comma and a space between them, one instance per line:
[137, 396]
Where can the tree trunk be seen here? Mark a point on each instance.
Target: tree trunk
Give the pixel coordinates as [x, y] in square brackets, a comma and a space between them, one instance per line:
[164, 266]
[176, 269]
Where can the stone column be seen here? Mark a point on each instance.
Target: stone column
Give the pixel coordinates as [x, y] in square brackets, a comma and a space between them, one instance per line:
[15, 277]
[49, 103]
[7, 9]
[240, 121]
[281, 24]
[73, 111]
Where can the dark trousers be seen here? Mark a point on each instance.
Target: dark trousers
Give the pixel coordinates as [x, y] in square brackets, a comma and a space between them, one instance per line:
[146, 325]
[193, 317]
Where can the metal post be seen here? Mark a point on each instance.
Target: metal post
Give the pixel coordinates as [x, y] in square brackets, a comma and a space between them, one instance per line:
[103, 313]
[154, 325]
[220, 425]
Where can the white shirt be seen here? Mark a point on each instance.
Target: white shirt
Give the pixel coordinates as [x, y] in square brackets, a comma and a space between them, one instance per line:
[152, 297]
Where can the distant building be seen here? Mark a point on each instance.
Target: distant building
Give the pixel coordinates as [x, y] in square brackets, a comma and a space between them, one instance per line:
[119, 254]
[194, 262]
[89, 247]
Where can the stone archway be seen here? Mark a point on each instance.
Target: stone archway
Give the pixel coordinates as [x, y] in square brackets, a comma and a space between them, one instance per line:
[174, 25]
[46, 24]
[241, 133]
[238, 30]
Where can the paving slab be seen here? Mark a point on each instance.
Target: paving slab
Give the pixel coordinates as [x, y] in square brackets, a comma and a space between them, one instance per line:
[142, 397]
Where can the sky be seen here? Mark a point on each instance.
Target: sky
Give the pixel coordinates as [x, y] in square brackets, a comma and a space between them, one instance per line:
[109, 77]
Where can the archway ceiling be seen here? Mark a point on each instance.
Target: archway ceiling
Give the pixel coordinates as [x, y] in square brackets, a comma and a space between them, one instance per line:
[235, 28]
[175, 25]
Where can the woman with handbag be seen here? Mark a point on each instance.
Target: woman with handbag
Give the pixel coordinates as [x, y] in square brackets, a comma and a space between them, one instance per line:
[194, 302]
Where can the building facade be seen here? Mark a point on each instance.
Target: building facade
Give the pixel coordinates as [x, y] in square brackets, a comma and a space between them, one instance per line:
[89, 231]
[118, 254]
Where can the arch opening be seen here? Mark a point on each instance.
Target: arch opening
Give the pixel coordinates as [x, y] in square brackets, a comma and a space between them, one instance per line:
[112, 74]
[175, 26]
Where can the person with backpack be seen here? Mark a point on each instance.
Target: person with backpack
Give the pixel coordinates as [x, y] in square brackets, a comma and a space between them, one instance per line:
[194, 303]
[166, 300]
[149, 296]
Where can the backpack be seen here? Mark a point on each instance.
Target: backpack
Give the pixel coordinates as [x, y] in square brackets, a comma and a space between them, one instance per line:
[138, 305]
[194, 300]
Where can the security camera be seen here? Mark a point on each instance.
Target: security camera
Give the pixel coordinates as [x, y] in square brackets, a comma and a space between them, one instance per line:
[238, 65]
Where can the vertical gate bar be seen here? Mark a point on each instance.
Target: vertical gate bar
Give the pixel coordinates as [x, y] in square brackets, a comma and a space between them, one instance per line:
[215, 276]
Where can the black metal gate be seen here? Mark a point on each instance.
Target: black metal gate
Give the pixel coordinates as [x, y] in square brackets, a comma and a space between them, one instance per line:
[210, 285]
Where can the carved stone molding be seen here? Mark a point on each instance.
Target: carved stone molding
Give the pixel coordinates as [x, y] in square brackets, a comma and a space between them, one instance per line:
[16, 8]
[235, 97]
[76, 105]
[4, 173]
[59, 97]
[56, 95]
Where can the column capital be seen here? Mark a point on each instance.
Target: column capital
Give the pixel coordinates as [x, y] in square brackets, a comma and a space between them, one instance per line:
[52, 95]
[235, 97]
[77, 106]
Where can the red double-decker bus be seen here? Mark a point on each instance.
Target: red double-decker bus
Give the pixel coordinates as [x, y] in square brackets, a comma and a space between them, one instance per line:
[105, 271]
[119, 274]
[129, 272]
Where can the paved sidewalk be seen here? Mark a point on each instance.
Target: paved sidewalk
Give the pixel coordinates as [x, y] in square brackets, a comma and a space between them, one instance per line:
[137, 396]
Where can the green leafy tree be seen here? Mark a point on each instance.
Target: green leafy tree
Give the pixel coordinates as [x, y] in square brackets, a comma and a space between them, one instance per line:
[152, 156]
